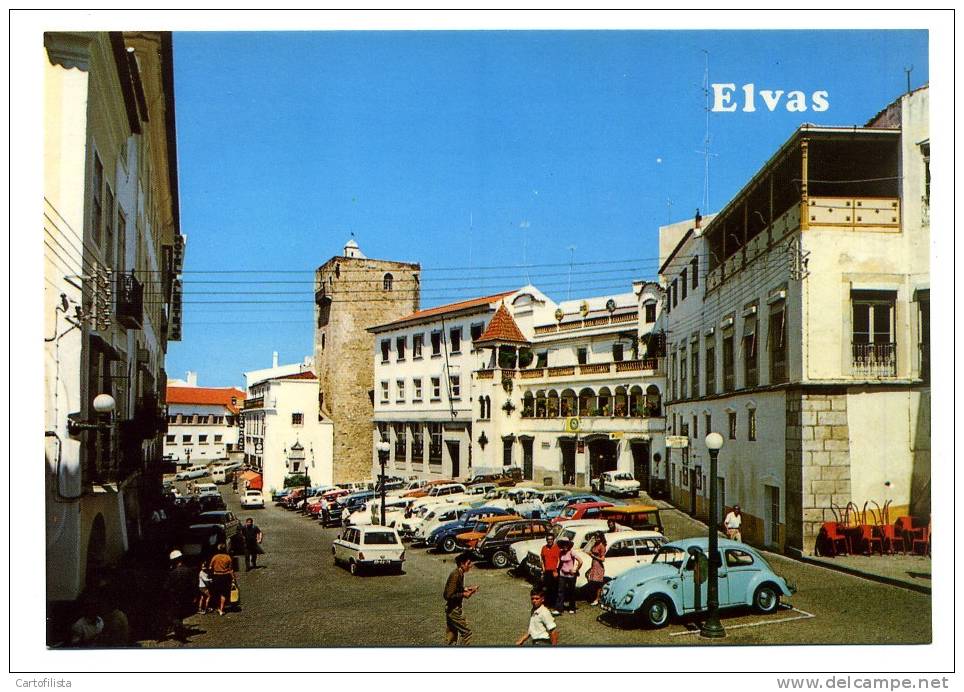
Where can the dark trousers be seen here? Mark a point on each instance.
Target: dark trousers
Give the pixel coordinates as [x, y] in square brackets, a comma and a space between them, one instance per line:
[567, 593]
[251, 556]
[550, 584]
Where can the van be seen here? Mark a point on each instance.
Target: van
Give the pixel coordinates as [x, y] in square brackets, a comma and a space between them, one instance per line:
[223, 474]
[191, 472]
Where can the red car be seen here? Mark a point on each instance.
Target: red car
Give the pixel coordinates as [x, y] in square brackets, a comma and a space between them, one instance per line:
[581, 510]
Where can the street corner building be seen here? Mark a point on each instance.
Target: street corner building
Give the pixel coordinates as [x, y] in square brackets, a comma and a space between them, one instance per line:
[797, 324]
[113, 253]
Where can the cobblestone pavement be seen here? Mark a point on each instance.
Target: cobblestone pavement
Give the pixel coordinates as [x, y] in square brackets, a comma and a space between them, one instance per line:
[299, 598]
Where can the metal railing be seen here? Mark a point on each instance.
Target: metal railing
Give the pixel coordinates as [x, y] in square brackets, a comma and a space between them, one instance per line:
[875, 360]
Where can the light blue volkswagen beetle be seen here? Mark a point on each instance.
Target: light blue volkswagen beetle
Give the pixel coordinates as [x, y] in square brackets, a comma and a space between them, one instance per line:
[665, 588]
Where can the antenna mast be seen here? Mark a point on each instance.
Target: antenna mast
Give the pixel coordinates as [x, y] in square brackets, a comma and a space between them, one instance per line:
[706, 139]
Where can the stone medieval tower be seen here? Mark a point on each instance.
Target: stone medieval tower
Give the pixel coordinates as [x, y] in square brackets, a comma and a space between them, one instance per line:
[352, 293]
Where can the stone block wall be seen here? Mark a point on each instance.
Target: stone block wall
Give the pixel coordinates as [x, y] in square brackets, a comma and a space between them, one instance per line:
[817, 464]
[355, 299]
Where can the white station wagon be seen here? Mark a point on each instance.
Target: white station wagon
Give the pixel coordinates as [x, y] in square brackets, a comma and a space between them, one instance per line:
[362, 547]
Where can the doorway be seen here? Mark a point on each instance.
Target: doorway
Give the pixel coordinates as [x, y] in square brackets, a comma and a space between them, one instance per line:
[568, 448]
[772, 523]
[602, 457]
[526, 457]
[641, 470]
[454, 449]
[693, 476]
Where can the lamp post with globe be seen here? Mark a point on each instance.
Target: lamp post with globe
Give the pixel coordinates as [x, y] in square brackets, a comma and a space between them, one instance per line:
[711, 627]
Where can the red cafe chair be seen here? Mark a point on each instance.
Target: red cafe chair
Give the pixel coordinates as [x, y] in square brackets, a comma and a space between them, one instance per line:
[924, 541]
[890, 537]
[868, 538]
[834, 538]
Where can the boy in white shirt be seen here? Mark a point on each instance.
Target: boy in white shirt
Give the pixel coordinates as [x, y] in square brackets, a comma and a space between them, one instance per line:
[542, 628]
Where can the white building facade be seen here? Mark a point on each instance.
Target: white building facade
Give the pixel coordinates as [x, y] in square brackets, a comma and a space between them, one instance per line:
[203, 423]
[284, 431]
[797, 326]
[113, 251]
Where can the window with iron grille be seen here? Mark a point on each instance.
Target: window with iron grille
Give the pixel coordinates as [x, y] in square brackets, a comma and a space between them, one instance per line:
[751, 424]
[874, 345]
[297, 419]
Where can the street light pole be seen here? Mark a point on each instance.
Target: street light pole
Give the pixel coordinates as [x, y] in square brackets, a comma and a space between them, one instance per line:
[711, 627]
[383, 449]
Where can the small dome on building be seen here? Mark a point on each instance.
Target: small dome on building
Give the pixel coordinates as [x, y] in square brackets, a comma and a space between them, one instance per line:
[352, 249]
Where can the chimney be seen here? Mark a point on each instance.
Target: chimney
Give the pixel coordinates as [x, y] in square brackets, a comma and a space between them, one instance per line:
[274, 359]
[698, 220]
[191, 379]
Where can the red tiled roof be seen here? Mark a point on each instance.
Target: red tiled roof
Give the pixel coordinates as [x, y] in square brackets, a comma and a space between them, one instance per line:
[502, 329]
[451, 307]
[303, 375]
[208, 396]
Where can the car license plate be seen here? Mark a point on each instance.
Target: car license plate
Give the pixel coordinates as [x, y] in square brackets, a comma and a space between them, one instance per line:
[381, 561]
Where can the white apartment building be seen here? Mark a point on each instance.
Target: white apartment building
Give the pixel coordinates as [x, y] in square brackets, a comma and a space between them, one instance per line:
[423, 366]
[561, 391]
[202, 423]
[797, 325]
[113, 251]
[284, 431]
[571, 390]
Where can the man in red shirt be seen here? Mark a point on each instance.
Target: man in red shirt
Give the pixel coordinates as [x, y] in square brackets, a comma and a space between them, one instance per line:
[550, 569]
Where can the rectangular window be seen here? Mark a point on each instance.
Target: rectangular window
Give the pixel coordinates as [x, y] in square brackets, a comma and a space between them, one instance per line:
[777, 342]
[695, 271]
[297, 419]
[97, 201]
[673, 292]
[751, 424]
[202, 439]
[728, 385]
[417, 340]
[696, 431]
[218, 439]
[507, 452]
[186, 439]
[542, 359]
[673, 379]
[401, 442]
[476, 331]
[731, 420]
[683, 284]
[874, 346]
[750, 373]
[436, 344]
[386, 348]
[582, 355]
[418, 451]
[707, 423]
[435, 443]
[400, 348]
[169, 439]
[650, 309]
[436, 388]
[400, 391]
[694, 370]
[617, 352]
[455, 339]
[110, 249]
[684, 429]
[384, 391]
[924, 338]
[417, 389]
[455, 381]
[682, 374]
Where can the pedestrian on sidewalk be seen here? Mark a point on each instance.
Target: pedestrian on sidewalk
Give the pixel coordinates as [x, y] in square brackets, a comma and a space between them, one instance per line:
[550, 569]
[597, 570]
[204, 589]
[345, 515]
[222, 576]
[732, 523]
[252, 544]
[180, 587]
[569, 567]
[457, 630]
[542, 628]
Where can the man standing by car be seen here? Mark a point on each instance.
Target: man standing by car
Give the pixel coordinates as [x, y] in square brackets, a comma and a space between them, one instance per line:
[550, 568]
[732, 523]
[456, 628]
[252, 536]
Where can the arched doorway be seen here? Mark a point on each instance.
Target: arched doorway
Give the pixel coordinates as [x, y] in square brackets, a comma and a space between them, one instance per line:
[603, 453]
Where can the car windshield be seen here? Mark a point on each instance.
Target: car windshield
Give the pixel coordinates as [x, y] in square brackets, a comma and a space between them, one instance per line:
[670, 555]
[567, 535]
[623, 477]
[380, 538]
[568, 512]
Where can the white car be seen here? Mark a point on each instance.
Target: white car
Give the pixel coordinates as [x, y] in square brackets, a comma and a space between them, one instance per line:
[576, 530]
[441, 514]
[252, 498]
[192, 472]
[616, 483]
[448, 492]
[624, 550]
[363, 547]
[523, 501]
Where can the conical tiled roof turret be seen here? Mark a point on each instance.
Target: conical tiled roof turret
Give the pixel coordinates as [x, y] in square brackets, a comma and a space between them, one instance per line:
[502, 329]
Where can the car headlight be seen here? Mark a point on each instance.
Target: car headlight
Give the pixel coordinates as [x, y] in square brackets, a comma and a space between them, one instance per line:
[629, 597]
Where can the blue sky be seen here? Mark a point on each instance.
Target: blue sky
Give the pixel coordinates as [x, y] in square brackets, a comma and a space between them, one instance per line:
[289, 142]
